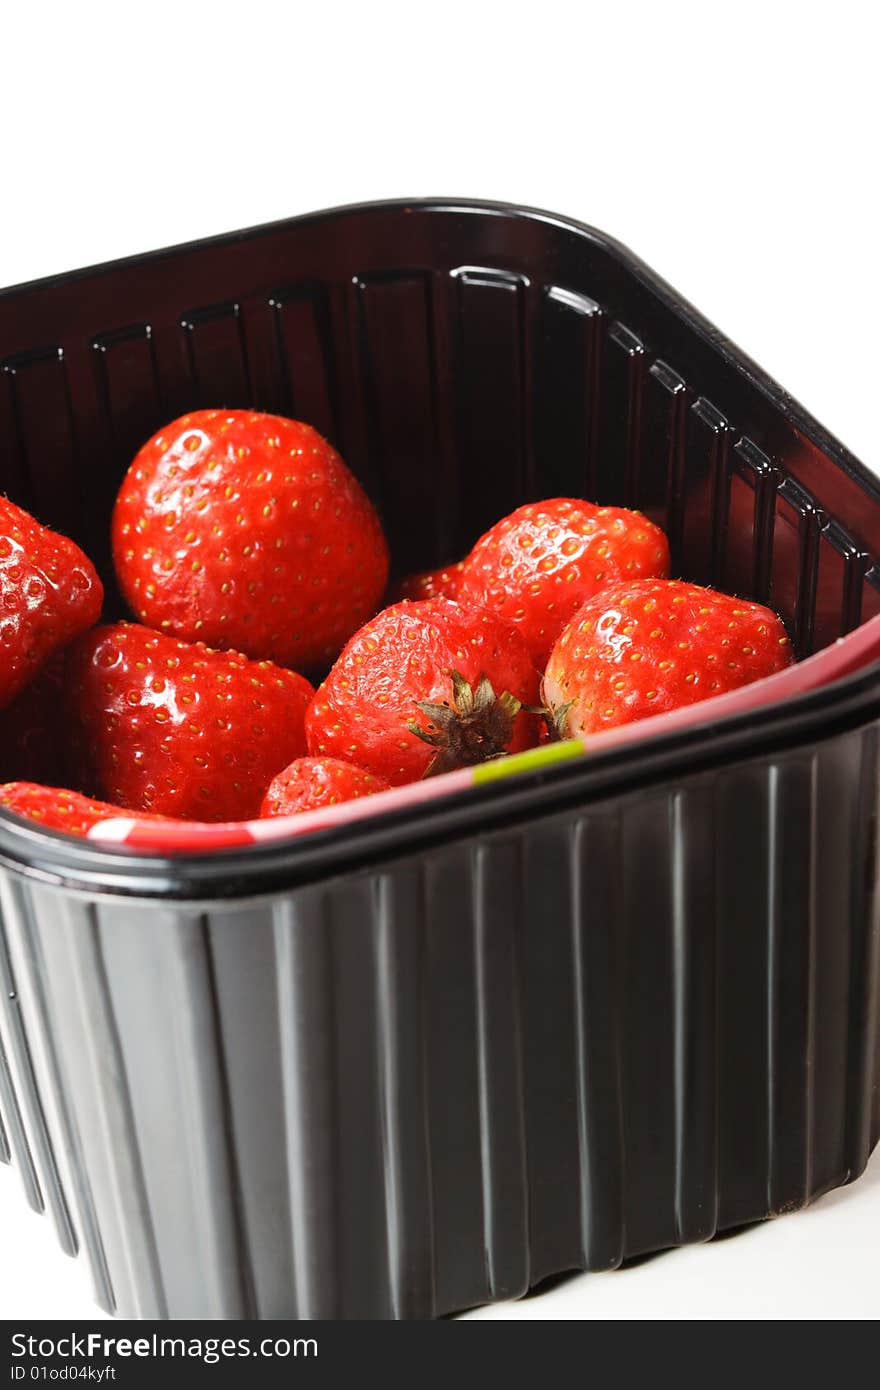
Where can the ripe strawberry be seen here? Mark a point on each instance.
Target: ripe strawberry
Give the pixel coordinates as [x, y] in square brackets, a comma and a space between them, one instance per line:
[31, 733]
[247, 531]
[443, 583]
[175, 728]
[423, 688]
[57, 809]
[310, 783]
[49, 592]
[641, 649]
[536, 566]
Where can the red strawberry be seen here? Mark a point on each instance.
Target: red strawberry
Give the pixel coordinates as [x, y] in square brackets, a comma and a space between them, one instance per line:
[537, 566]
[310, 783]
[32, 742]
[641, 649]
[443, 583]
[248, 531]
[57, 809]
[425, 687]
[49, 592]
[178, 729]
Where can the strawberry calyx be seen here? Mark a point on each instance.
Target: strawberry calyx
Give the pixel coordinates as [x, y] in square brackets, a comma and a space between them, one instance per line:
[555, 719]
[555, 716]
[473, 727]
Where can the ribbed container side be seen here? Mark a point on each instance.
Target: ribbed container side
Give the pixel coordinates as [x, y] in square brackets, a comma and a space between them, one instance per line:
[433, 1083]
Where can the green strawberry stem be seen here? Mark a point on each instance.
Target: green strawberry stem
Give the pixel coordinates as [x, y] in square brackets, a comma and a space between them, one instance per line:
[555, 718]
[475, 726]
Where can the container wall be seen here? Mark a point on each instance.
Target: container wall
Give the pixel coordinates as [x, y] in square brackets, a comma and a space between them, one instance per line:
[432, 1084]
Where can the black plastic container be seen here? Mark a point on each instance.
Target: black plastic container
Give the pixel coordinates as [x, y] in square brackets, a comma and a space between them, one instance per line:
[425, 1061]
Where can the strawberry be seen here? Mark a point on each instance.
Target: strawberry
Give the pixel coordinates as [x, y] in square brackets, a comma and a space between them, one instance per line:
[537, 566]
[247, 531]
[49, 592]
[443, 583]
[641, 649]
[310, 783]
[175, 728]
[31, 733]
[56, 809]
[423, 688]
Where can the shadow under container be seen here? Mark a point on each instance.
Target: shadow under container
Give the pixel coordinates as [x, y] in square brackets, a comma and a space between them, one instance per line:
[426, 1060]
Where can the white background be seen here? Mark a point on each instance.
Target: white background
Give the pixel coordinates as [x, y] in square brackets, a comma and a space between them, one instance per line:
[733, 148]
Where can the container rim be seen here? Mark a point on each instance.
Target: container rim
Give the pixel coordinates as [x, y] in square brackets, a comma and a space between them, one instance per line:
[253, 870]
